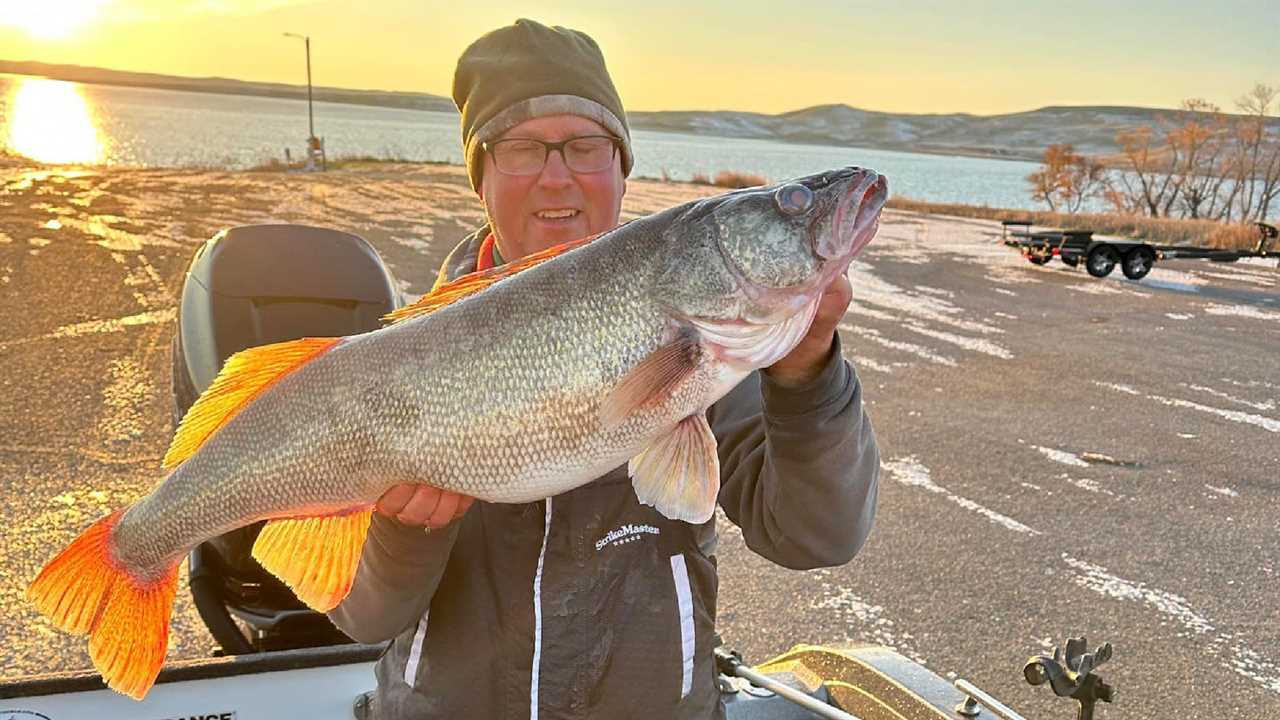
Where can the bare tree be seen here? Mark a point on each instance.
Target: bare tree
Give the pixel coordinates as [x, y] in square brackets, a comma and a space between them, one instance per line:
[1120, 191]
[1198, 145]
[1047, 181]
[1147, 180]
[1085, 180]
[1202, 164]
[1257, 168]
[1066, 179]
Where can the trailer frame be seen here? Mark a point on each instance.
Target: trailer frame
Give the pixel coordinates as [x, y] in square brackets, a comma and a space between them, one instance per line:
[1136, 257]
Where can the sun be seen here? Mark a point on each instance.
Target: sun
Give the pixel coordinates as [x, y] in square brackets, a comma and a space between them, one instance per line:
[49, 19]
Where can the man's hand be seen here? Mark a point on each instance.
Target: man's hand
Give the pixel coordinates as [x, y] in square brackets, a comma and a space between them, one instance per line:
[804, 363]
[423, 506]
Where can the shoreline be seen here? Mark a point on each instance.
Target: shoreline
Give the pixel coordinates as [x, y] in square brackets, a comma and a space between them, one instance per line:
[1168, 231]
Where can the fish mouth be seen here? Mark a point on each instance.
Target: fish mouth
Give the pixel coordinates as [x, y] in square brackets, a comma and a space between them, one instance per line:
[855, 220]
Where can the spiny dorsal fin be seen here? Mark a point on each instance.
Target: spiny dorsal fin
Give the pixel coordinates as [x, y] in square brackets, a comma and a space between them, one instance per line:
[243, 377]
[472, 283]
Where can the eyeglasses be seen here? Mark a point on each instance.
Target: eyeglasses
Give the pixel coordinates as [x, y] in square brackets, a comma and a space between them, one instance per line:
[527, 156]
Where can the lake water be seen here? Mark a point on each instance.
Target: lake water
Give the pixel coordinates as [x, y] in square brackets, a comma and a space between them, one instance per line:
[56, 121]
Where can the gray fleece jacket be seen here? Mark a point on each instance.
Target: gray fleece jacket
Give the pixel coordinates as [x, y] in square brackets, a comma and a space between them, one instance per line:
[591, 605]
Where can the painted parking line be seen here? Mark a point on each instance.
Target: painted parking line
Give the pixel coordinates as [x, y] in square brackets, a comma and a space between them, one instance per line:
[1231, 650]
[1266, 423]
[909, 471]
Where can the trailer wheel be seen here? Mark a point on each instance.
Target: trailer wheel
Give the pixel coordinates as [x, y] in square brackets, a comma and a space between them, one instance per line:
[1070, 260]
[1039, 259]
[1137, 263]
[1101, 261]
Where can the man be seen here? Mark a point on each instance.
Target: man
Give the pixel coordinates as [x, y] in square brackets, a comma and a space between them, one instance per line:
[590, 604]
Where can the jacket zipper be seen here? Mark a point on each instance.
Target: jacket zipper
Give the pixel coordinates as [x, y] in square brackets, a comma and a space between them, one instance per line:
[537, 616]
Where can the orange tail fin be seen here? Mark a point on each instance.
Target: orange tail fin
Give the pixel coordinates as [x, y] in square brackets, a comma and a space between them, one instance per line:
[84, 590]
[472, 283]
[317, 556]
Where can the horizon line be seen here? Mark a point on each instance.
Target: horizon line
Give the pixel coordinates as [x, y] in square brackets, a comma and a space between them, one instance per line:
[448, 99]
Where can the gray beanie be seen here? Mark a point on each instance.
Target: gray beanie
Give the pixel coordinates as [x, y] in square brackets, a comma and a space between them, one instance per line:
[528, 70]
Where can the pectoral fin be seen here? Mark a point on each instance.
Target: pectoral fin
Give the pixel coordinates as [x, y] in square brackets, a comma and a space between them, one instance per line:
[679, 473]
[316, 557]
[654, 379]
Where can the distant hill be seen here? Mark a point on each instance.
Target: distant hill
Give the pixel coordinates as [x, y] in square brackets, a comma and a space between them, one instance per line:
[227, 86]
[1024, 135]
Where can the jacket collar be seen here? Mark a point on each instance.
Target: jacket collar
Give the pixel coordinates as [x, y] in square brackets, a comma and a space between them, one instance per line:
[462, 258]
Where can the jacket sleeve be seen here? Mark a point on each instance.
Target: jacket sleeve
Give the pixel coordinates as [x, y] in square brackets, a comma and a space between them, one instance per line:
[400, 568]
[799, 467]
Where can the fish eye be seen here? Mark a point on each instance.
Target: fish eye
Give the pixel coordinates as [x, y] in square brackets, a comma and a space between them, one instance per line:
[794, 199]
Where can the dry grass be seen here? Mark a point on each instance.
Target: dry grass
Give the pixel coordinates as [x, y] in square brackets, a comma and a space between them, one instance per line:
[346, 161]
[729, 179]
[735, 179]
[340, 162]
[13, 160]
[1160, 231]
[274, 165]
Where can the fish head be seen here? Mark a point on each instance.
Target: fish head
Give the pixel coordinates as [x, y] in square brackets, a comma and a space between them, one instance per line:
[787, 242]
[753, 263]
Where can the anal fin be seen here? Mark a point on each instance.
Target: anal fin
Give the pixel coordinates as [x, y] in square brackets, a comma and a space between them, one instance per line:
[316, 557]
[679, 473]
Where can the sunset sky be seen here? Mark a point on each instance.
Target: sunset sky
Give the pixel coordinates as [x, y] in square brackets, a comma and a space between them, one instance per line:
[984, 57]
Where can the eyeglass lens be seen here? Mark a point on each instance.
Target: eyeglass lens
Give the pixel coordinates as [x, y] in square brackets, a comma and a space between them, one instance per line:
[520, 156]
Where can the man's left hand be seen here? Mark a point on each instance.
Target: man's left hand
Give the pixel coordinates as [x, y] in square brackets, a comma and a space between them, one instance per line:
[805, 362]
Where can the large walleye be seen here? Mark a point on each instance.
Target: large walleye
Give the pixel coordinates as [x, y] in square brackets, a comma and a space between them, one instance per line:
[566, 365]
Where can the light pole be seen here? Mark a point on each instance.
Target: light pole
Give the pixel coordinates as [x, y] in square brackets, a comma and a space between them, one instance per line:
[311, 121]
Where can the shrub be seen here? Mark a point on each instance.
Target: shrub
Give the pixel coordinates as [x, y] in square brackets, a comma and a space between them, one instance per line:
[735, 179]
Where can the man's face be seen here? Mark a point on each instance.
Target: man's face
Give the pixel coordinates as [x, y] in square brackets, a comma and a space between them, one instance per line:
[521, 208]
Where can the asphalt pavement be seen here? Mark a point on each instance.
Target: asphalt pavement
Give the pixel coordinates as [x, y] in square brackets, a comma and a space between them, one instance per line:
[1062, 455]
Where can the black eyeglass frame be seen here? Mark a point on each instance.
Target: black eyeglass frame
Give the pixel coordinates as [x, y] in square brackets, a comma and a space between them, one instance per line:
[548, 147]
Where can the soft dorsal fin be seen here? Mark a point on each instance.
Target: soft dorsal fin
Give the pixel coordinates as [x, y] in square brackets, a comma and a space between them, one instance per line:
[472, 283]
[243, 377]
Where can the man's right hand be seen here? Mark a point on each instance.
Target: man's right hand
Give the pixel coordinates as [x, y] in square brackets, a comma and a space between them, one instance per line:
[423, 506]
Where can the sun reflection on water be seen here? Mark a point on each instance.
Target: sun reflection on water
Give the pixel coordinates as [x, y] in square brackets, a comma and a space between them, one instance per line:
[50, 121]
